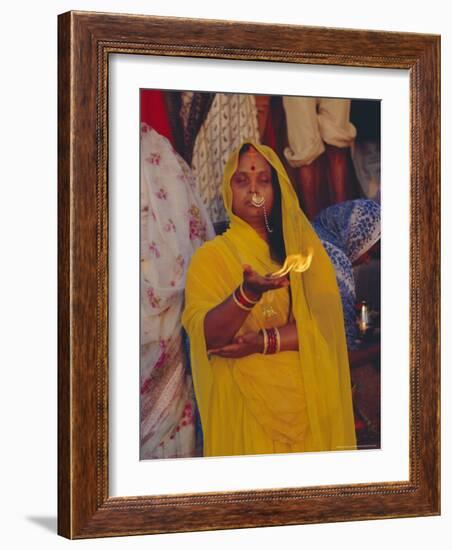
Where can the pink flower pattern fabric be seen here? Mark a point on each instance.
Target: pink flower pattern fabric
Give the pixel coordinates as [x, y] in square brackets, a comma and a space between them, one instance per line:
[174, 223]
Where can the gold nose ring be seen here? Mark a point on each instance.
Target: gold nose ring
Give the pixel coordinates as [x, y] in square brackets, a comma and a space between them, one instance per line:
[257, 200]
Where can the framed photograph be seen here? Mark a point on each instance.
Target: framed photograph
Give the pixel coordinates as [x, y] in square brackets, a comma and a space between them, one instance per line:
[248, 275]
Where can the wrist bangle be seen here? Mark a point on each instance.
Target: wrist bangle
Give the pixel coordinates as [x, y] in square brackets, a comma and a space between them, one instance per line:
[271, 341]
[245, 297]
[278, 340]
[240, 302]
[264, 334]
[273, 344]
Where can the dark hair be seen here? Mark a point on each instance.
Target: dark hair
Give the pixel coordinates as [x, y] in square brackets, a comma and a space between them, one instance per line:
[276, 238]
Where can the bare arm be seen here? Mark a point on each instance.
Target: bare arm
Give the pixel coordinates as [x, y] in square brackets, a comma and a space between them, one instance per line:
[289, 337]
[253, 342]
[223, 321]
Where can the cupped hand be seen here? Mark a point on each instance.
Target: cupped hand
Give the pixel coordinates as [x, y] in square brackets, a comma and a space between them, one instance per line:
[241, 346]
[254, 285]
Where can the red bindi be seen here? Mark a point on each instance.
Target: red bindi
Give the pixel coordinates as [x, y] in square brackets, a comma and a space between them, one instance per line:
[253, 168]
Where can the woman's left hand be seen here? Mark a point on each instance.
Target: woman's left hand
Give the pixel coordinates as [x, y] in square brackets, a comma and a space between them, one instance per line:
[241, 346]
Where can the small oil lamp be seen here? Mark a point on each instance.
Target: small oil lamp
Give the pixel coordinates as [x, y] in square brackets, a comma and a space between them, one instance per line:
[363, 320]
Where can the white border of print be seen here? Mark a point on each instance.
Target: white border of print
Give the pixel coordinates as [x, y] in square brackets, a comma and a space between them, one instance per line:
[132, 477]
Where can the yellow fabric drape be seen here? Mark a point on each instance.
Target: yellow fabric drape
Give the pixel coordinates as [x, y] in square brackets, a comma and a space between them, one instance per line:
[287, 402]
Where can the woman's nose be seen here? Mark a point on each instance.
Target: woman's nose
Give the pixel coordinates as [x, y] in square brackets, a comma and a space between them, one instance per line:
[253, 188]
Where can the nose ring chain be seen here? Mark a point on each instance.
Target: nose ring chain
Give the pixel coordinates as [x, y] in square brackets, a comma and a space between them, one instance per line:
[269, 229]
[259, 202]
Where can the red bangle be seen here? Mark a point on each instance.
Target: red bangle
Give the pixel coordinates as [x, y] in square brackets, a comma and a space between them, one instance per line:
[265, 337]
[272, 341]
[241, 300]
[245, 297]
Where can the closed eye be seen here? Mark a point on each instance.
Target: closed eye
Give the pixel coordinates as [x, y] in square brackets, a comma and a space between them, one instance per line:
[241, 180]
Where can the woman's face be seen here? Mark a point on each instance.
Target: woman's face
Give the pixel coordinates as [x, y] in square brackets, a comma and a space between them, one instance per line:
[253, 175]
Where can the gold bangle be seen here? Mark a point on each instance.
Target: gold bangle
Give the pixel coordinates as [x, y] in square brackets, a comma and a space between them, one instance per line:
[278, 340]
[241, 306]
[245, 297]
[265, 335]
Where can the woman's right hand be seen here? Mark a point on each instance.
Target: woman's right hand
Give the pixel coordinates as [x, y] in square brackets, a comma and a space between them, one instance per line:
[254, 285]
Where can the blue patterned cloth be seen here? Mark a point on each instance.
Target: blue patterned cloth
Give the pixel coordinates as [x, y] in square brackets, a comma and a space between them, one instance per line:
[348, 230]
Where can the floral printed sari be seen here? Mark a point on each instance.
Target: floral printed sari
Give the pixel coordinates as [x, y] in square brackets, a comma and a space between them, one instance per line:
[174, 223]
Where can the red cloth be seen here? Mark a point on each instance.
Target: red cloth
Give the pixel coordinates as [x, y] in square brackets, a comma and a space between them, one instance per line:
[153, 111]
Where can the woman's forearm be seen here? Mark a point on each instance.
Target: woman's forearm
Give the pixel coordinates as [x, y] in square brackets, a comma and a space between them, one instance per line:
[256, 342]
[289, 337]
[223, 322]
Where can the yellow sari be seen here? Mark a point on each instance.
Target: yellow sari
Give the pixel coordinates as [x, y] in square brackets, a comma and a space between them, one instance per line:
[292, 401]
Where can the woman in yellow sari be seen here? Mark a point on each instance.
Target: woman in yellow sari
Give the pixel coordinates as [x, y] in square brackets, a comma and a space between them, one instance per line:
[268, 354]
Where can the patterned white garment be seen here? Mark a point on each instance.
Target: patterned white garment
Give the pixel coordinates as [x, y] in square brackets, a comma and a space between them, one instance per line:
[231, 119]
[366, 157]
[174, 223]
[348, 230]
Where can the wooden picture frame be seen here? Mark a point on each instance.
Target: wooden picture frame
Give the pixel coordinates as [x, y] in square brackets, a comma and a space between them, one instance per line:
[85, 41]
